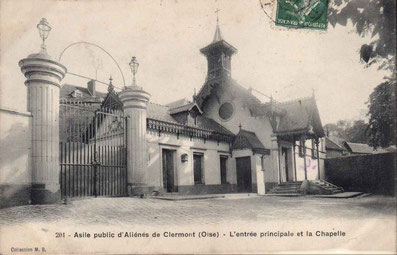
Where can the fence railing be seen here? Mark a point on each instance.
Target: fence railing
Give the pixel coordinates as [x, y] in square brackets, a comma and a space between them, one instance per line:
[92, 150]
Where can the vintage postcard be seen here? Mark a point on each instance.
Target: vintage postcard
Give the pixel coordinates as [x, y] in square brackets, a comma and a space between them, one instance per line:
[197, 127]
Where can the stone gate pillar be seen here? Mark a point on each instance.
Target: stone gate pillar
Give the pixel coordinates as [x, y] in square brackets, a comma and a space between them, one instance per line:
[43, 76]
[135, 101]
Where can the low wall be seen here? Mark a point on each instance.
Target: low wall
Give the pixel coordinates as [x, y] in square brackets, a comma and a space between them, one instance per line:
[15, 150]
[371, 173]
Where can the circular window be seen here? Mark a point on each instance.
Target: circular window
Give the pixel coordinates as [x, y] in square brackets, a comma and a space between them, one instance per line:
[226, 111]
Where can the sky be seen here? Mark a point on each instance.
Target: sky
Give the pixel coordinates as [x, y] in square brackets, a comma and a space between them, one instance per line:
[166, 37]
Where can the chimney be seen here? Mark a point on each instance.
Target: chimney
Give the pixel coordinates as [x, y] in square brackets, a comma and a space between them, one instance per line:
[91, 87]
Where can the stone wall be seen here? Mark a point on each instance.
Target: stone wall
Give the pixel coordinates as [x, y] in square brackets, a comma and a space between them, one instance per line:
[371, 173]
[15, 156]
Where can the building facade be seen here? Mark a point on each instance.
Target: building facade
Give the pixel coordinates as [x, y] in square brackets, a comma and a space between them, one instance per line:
[82, 142]
[223, 140]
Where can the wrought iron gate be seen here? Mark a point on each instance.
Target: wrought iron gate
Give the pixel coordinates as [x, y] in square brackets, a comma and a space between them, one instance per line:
[92, 151]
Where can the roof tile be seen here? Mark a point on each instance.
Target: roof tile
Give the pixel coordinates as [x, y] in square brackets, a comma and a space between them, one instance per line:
[248, 140]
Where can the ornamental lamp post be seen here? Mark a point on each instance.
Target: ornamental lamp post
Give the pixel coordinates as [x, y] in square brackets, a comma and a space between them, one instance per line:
[135, 101]
[43, 77]
[44, 30]
[134, 69]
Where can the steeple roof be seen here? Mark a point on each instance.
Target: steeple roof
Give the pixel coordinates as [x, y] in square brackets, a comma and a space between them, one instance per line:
[218, 34]
[218, 42]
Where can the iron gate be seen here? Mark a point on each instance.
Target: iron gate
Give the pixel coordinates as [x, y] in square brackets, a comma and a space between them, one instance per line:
[92, 151]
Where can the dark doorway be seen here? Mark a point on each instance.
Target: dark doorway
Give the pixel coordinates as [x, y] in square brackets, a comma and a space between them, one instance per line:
[285, 156]
[244, 181]
[168, 171]
[223, 161]
[198, 168]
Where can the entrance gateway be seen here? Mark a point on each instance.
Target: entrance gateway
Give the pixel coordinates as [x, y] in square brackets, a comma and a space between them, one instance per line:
[92, 151]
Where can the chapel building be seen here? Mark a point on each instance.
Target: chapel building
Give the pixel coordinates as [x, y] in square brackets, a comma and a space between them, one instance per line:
[223, 140]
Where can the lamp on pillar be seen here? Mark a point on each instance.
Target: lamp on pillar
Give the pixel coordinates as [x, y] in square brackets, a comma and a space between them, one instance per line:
[135, 101]
[43, 76]
[134, 69]
[44, 30]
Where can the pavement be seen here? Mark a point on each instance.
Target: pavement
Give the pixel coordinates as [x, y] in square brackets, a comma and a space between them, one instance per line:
[234, 224]
[125, 210]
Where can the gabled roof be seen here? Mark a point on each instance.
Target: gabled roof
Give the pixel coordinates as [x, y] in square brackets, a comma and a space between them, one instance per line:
[334, 143]
[68, 89]
[300, 115]
[296, 117]
[331, 145]
[358, 148]
[112, 100]
[185, 108]
[337, 140]
[248, 140]
[210, 87]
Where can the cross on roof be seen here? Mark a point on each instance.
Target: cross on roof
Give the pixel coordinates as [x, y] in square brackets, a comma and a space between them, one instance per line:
[217, 14]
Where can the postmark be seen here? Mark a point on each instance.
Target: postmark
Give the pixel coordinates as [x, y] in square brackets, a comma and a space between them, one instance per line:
[309, 14]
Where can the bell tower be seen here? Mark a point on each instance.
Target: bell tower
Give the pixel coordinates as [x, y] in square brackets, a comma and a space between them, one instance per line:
[219, 55]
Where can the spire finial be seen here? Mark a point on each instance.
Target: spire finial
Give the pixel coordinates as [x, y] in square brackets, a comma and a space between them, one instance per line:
[111, 87]
[218, 35]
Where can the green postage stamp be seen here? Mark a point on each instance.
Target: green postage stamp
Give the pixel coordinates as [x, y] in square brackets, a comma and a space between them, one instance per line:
[311, 14]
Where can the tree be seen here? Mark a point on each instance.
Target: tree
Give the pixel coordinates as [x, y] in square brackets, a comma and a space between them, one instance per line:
[377, 17]
[358, 133]
[382, 113]
[350, 131]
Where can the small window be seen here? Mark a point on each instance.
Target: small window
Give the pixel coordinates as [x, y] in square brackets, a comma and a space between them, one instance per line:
[77, 94]
[226, 111]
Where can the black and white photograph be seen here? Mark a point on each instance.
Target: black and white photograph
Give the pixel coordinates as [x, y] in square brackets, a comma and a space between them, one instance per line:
[198, 127]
